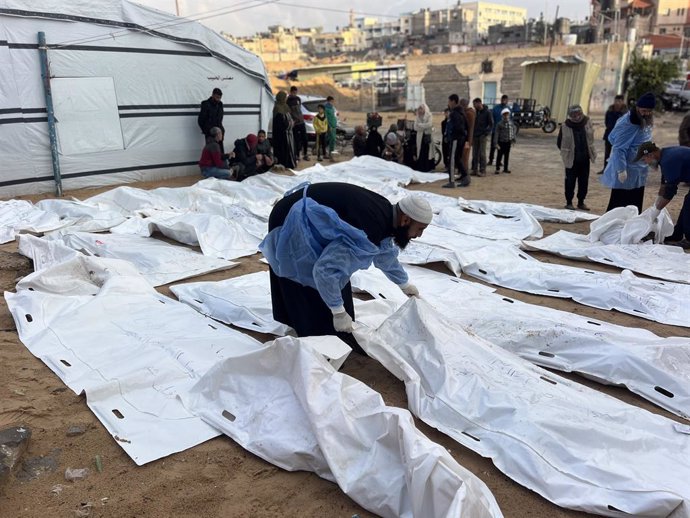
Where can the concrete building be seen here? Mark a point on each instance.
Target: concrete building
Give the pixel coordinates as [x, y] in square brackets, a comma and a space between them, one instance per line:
[671, 17]
[477, 17]
[278, 44]
[494, 72]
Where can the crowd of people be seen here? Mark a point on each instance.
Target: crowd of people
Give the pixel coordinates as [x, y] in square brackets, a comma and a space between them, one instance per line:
[469, 131]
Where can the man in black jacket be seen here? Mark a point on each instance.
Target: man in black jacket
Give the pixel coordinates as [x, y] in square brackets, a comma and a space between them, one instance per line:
[244, 161]
[483, 126]
[299, 128]
[615, 112]
[456, 134]
[211, 115]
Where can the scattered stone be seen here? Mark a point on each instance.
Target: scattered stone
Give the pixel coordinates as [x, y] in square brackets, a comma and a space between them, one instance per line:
[57, 489]
[13, 444]
[58, 390]
[75, 430]
[34, 467]
[84, 510]
[74, 474]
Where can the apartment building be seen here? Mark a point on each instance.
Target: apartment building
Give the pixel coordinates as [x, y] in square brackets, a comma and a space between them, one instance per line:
[672, 17]
[477, 17]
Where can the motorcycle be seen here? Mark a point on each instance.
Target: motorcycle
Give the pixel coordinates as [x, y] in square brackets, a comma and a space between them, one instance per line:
[527, 114]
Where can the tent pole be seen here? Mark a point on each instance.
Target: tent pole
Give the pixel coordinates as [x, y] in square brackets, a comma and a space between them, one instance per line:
[45, 76]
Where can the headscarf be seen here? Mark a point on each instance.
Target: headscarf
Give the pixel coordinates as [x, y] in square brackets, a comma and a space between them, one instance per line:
[281, 104]
[423, 125]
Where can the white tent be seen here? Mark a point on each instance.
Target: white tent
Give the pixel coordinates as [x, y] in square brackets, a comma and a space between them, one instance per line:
[126, 81]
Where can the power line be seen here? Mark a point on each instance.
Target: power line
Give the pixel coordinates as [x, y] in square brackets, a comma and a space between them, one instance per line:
[334, 10]
[163, 25]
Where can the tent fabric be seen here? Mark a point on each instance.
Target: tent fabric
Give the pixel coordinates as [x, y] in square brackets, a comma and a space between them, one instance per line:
[576, 447]
[540, 213]
[287, 405]
[660, 261]
[159, 262]
[653, 367]
[150, 350]
[150, 131]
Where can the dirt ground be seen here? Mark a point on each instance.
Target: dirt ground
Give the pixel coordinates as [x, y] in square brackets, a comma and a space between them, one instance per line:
[219, 478]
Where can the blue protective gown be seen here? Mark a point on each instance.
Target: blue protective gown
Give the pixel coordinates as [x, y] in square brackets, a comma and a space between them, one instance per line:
[316, 248]
[625, 139]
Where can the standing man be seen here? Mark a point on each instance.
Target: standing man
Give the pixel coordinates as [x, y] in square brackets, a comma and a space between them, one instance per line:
[471, 116]
[674, 163]
[483, 128]
[576, 142]
[496, 111]
[625, 177]
[211, 116]
[456, 133]
[332, 124]
[615, 112]
[299, 128]
[319, 236]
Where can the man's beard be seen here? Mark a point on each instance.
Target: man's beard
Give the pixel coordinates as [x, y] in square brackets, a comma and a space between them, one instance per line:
[647, 120]
[401, 236]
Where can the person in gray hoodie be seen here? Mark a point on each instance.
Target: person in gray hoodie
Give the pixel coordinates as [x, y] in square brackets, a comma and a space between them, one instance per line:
[576, 142]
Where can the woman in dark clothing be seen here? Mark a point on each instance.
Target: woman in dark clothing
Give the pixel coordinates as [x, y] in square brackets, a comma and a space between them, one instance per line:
[375, 145]
[283, 143]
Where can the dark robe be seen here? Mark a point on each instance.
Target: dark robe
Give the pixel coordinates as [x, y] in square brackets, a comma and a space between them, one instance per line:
[283, 142]
[301, 307]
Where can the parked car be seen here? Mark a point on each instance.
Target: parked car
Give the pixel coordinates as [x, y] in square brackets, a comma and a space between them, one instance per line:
[310, 109]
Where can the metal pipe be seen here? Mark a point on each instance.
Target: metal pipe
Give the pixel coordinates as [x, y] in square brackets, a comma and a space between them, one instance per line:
[45, 76]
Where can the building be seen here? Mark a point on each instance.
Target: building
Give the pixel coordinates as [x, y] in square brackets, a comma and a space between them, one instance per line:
[477, 17]
[671, 17]
[278, 44]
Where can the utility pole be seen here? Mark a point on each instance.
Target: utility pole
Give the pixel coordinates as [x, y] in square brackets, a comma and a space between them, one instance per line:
[177, 7]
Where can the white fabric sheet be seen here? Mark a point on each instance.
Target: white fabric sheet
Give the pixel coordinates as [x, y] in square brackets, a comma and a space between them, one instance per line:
[574, 446]
[21, 216]
[521, 226]
[660, 261]
[656, 368]
[104, 330]
[243, 301]
[159, 262]
[83, 217]
[502, 264]
[508, 209]
[217, 236]
[624, 226]
[290, 407]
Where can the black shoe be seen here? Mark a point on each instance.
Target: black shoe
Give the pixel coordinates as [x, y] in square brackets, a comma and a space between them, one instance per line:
[507, 171]
[569, 206]
[464, 181]
[449, 185]
[582, 206]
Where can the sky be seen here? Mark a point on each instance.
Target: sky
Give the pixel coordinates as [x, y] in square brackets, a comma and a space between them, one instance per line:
[251, 16]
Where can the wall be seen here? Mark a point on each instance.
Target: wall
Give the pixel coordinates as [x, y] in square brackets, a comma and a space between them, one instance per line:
[611, 57]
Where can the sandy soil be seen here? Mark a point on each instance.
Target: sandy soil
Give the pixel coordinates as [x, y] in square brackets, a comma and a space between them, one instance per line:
[219, 478]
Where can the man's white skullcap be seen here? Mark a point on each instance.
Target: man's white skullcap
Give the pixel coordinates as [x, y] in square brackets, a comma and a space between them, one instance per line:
[505, 110]
[417, 208]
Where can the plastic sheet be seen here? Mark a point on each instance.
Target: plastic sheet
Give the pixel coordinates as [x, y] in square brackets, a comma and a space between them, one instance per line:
[522, 226]
[84, 217]
[159, 262]
[103, 329]
[623, 225]
[510, 210]
[574, 446]
[20, 216]
[660, 261]
[290, 407]
[656, 368]
[217, 236]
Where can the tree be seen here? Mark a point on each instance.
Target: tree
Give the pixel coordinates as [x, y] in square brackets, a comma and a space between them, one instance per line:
[650, 75]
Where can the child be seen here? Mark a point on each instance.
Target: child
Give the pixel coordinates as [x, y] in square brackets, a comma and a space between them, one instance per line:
[505, 138]
[321, 129]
